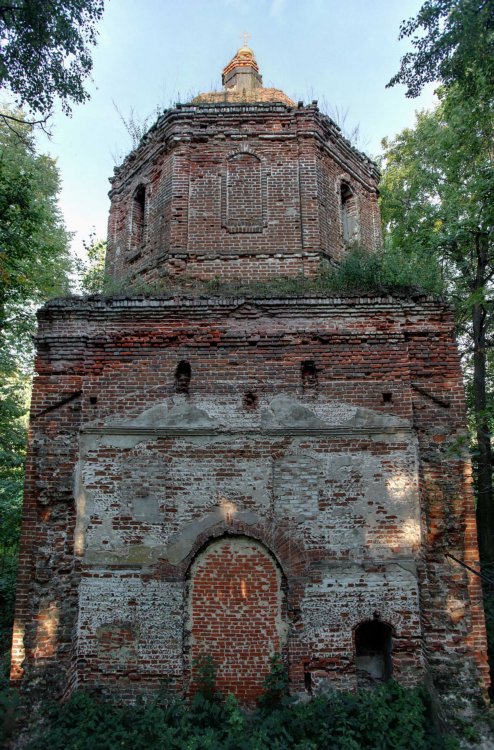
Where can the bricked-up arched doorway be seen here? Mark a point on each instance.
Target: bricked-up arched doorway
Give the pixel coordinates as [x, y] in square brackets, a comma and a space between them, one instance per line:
[236, 613]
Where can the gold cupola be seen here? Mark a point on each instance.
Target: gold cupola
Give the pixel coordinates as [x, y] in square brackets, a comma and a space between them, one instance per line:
[242, 72]
[242, 83]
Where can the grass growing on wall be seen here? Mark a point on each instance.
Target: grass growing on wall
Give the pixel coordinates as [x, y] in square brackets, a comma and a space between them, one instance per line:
[359, 273]
[387, 271]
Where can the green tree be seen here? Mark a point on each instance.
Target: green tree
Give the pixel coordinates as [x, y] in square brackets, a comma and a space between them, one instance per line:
[438, 198]
[93, 272]
[34, 265]
[34, 257]
[45, 51]
[14, 395]
[453, 43]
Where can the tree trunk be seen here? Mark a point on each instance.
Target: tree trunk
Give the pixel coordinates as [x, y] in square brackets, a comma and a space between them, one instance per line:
[485, 507]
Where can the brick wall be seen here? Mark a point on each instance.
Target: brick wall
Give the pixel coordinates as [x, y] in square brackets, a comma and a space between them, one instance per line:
[235, 610]
[346, 486]
[244, 191]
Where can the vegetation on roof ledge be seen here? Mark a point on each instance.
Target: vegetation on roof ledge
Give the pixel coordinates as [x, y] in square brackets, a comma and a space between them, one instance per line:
[361, 273]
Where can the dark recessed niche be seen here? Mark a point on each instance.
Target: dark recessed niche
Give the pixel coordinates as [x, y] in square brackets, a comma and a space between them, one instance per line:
[138, 218]
[182, 377]
[250, 401]
[308, 682]
[308, 373]
[93, 400]
[373, 644]
[387, 397]
[348, 208]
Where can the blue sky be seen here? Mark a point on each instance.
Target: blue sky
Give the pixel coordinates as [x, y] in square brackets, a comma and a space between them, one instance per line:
[152, 53]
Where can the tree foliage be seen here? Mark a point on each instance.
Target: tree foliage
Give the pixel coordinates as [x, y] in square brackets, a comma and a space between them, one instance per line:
[439, 192]
[438, 200]
[389, 718]
[92, 273]
[45, 51]
[14, 393]
[34, 258]
[454, 44]
[438, 184]
[34, 265]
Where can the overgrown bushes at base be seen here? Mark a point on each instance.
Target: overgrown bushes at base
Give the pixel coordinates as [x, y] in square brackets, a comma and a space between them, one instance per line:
[388, 718]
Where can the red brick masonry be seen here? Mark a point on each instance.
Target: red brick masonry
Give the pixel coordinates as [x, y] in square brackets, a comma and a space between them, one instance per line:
[306, 475]
[239, 191]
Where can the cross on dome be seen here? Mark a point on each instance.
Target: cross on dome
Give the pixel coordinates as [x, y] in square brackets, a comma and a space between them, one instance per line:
[246, 36]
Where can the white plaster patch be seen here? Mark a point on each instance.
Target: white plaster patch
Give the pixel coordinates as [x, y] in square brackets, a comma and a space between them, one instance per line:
[296, 482]
[119, 507]
[227, 412]
[199, 484]
[350, 595]
[369, 503]
[153, 609]
[180, 544]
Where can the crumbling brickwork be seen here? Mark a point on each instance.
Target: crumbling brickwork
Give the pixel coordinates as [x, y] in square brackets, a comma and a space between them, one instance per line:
[352, 485]
[244, 476]
[202, 162]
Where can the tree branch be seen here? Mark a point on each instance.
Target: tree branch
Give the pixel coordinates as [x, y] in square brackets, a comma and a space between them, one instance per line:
[8, 119]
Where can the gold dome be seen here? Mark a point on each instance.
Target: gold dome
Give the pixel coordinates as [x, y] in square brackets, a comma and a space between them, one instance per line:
[243, 84]
[244, 58]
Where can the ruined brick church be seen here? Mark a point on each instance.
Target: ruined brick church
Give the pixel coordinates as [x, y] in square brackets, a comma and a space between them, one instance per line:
[246, 475]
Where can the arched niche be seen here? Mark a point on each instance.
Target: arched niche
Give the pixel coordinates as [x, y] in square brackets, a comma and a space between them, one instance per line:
[183, 374]
[236, 614]
[243, 193]
[138, 218]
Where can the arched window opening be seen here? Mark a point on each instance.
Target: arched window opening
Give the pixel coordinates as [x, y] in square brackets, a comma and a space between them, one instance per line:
[349, 218]
[308, 682]
[138, 218]
[308, 373]
[373, 650]
[182, 377]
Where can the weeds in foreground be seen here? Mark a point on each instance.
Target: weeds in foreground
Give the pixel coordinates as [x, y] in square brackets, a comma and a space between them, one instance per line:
[389, 718]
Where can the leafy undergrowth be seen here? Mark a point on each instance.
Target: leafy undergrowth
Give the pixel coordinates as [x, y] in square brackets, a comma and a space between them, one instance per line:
[388, 718]
[489, 620]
